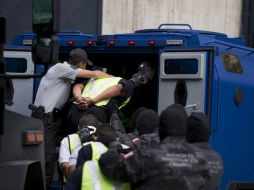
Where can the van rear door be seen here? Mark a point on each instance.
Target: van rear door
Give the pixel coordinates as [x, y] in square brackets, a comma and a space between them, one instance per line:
[183, 79]
[20, 63]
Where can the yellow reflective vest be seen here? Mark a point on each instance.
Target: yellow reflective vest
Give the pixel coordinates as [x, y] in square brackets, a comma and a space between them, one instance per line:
[74, 142]
[96, 86]
[92, 177]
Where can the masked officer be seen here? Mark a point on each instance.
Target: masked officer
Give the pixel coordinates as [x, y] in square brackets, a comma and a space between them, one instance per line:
[173, 164]
[146, 124]
[198, 134]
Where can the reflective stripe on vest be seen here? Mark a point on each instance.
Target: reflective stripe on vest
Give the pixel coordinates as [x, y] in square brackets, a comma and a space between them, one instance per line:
[96, 86]
[97, 150]
[74, 142]
[93, 179]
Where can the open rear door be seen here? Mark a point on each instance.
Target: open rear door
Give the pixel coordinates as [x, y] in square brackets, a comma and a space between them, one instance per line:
[20, 63]
[183, 80]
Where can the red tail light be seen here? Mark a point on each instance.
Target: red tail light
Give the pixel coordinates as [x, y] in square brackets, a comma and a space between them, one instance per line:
[70, 42]
[151, 42]
[111, 42]
[89, 42]
[131, 42]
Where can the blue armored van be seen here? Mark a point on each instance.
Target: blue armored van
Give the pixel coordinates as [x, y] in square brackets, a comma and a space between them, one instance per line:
[204, 71]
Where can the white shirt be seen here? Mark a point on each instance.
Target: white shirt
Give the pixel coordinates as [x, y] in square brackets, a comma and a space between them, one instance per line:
[64, 153]
[55, 86]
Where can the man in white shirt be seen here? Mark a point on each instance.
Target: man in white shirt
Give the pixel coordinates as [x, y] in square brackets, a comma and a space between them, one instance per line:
[53, 93]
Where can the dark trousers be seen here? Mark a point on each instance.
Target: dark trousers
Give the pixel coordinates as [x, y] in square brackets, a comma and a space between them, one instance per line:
[75, 115]
[51, 122]
[51, 126]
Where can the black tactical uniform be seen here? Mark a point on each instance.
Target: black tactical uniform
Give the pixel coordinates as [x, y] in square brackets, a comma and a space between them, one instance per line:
[147, 126]
[172, 164]
[198, 133]
[147, 129]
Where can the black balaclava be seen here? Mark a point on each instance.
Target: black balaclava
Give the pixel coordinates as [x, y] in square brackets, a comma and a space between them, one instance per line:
[198, 129]
[173, 121]
[147, 122]
[135, 116]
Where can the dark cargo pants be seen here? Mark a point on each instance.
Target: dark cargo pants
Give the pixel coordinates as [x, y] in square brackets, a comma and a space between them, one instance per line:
[51, 126]
[51, 122]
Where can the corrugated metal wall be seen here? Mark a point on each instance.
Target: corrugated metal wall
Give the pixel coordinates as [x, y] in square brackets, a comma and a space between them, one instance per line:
[213, 15]
[247, 28]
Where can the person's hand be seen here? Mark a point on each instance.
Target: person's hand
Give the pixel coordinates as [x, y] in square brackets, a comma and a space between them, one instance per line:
[88, 101]
[81, 102]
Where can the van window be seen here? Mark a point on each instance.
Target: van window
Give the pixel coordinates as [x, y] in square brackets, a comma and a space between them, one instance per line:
[15, 65]
[181, 66]
[232, 63]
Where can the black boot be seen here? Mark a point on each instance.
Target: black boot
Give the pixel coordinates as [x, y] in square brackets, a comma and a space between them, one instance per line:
[144, 74]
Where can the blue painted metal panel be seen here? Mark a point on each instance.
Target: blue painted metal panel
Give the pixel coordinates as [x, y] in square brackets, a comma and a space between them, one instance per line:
[233, 137]
[232, 126]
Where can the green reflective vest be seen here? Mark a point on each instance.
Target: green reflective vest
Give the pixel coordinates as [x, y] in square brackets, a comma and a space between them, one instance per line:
[74, 142]
[96, 86]
[92, 177]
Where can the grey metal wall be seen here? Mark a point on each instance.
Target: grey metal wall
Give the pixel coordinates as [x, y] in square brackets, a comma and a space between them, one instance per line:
[84, 15]
[247, 28]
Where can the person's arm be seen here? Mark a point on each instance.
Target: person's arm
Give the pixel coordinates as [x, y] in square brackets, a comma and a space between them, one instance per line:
[71, 169]
[110, 92]
[64, 156]
[74, 181]
[83, 73]
[131, 167]
[64, 168]
[116, 123]
[77, 91]
[73, 161]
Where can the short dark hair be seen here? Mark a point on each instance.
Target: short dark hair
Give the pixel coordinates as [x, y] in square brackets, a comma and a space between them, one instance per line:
[106, 134]
[88, 120]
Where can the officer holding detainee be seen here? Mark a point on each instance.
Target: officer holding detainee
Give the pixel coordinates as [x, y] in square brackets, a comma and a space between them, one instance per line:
[97, 93]
[53, 93]
[173, 164]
